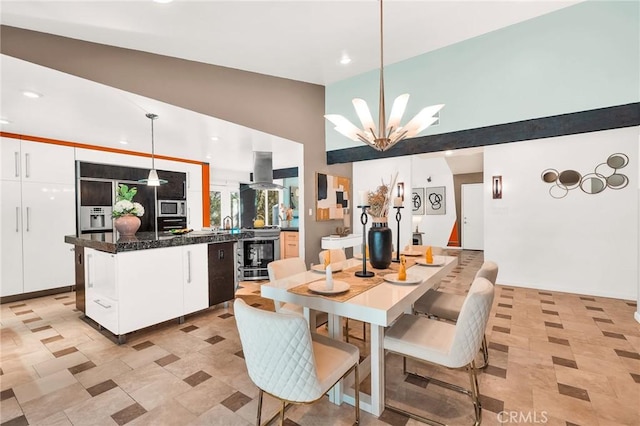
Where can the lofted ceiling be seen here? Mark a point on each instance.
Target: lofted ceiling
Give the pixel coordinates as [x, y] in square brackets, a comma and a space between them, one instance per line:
[302, 40]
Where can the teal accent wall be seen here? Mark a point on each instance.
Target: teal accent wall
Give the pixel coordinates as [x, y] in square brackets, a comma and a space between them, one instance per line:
[579, 58]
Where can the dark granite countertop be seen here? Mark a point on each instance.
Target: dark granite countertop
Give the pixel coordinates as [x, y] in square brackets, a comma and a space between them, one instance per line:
[289, 229]
[108, 241]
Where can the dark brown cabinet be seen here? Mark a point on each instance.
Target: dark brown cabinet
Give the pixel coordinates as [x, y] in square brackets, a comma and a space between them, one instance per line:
[221, 272]
[175, 188]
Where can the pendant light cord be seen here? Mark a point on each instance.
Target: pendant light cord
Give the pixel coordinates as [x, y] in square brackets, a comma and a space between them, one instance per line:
[381, 112]
[152, 117]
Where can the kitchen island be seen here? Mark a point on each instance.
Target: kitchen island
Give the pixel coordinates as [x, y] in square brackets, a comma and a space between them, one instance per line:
[126, 284]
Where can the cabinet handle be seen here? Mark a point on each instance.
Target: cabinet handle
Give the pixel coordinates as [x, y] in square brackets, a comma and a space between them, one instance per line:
[17, 163]
[172, 220]
[188, 266]
[27, 163]
[17, 219]
[89, 280]
[28, 217]
[102, 304]
[184, 189]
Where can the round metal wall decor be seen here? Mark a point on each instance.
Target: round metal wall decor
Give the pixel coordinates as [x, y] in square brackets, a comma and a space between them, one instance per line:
[605, 175]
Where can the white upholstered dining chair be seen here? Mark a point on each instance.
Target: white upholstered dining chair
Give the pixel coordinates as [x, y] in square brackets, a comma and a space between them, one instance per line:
[284, 268]
[446, 344]
[338, 255]
[287, 361]
[446, 306]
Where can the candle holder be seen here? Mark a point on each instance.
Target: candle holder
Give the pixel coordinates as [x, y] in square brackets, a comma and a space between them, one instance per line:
[363, 220]
[398, 217]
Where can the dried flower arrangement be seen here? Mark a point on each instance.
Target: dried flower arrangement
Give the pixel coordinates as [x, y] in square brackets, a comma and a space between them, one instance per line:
[380, 198]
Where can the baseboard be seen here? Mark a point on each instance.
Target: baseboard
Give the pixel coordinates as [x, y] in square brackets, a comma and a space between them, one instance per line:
[34, 294]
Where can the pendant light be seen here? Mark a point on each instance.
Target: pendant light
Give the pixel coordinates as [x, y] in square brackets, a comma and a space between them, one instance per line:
[385, 136]
[153, 179]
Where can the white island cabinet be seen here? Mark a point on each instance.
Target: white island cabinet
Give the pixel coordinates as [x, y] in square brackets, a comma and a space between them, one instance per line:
[128, 284]
[133, 290]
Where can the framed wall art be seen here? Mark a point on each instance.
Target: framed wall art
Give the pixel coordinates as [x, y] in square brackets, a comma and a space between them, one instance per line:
[332, 196]
[417, 201]
[435, 200]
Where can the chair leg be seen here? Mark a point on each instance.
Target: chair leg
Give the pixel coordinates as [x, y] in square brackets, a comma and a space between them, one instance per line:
[282, 413]
[357, 392]
[485, 352]
[404, 365]
[347, 332]
[364, 331]
[475, 392]
[260, 393]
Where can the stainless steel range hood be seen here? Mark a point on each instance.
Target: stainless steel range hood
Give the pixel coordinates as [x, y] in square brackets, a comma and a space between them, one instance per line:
[263, 171]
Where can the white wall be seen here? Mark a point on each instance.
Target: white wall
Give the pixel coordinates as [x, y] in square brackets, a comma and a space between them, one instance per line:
[637, 314]
[436, 228]
[582, 243]
[367, 176]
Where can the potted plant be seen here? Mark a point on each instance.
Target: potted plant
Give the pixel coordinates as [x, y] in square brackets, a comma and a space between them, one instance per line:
[126, 212]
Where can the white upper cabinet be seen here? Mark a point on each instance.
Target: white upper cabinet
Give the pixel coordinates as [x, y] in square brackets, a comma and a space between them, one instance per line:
[36, 162]
[10, 159]
[42, 162]
[194, 210]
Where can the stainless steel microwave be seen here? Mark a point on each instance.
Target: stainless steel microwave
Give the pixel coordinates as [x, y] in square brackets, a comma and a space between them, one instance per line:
[172, 208]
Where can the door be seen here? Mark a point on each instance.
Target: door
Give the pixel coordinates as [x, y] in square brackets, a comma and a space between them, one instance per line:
[472, 216]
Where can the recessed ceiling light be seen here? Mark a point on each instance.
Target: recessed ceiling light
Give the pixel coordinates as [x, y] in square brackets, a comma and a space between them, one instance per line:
[345, 59]
[214, 138]
[4, 121]
[162, 1]
[123, 142]
[448, 153]
[32, 95]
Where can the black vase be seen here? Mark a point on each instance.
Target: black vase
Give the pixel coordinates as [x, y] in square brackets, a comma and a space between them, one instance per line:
[380, 245]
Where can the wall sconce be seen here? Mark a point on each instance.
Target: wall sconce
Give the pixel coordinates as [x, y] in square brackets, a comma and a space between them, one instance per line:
[496, 187]
[401, 190]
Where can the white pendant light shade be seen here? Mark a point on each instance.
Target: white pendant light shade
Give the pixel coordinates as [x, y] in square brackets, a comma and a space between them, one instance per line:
[362, 109]
[384, 137]
[397, 111]
[344, 126]
[153, 179]
[422, 120]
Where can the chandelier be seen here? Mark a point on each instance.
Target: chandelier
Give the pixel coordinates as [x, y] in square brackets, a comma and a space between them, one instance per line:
[385, 135]
[153, 179]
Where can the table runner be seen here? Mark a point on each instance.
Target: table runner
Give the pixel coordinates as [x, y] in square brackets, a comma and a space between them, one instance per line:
[357, 285]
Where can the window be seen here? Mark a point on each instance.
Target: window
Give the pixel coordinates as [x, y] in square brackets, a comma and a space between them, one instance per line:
[235, 209]
[215, 208]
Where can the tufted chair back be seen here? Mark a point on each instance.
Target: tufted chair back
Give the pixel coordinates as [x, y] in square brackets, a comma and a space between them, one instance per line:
[469, 330]
[283, 268]
[337, 255]
[278, 352]
[488, 270]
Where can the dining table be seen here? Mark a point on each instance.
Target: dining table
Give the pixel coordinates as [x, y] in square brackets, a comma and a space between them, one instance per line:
[372, 300]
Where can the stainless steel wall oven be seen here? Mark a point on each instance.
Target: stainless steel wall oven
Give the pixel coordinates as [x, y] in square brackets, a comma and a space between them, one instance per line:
[254, 254]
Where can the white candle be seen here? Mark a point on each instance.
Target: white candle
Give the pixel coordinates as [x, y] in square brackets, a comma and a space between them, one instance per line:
[364, 197]
[397, 202]
[329, 278]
